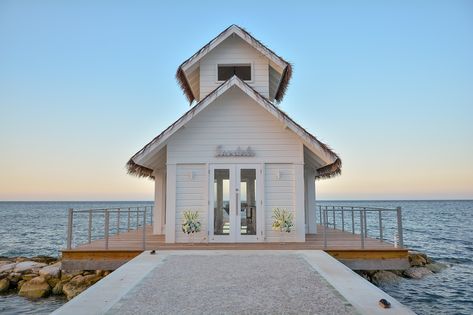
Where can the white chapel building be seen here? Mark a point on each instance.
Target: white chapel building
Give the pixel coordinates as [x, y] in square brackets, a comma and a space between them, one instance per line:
[234, 156]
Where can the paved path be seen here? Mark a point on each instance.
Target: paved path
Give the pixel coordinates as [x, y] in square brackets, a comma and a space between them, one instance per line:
[232, 282]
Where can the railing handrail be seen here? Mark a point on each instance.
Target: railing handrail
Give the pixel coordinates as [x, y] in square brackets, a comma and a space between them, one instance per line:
[356, 208]
[87, 210]
[362, 213]
[141, 209]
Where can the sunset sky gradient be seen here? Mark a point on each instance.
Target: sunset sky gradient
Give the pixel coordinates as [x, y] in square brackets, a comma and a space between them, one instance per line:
[85, 84]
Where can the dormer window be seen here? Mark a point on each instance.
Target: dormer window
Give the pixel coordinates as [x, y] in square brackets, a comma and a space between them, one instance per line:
[225, 72]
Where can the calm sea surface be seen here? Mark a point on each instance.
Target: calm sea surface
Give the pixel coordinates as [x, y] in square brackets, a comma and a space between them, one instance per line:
[442, 229]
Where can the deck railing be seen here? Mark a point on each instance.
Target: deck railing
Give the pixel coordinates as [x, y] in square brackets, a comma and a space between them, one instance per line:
[358, 218]
[82, 223]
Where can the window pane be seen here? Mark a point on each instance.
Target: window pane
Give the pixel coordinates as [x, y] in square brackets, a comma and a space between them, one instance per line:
[226, 72]
[222, 202]
[248, 201]
[243, 72]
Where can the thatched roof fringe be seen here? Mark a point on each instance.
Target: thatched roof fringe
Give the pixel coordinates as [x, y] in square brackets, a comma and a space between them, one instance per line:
[286, 77]
[330, 170]
[185, 86]
[138, 170]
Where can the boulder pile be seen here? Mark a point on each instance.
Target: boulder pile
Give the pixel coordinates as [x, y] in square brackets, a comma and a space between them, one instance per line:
[420, 266]
[42, 276]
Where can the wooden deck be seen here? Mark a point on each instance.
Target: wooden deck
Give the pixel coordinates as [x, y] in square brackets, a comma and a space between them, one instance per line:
[344, 246]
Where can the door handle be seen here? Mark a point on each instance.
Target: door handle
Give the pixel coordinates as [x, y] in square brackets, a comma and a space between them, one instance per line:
[236, 203]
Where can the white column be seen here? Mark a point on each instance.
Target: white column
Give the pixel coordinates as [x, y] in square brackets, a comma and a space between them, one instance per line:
[159, 202]
[311, 211]
[171, 203]
[299, 202]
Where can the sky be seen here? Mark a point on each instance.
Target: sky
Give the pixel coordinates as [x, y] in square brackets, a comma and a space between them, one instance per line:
[387, 84]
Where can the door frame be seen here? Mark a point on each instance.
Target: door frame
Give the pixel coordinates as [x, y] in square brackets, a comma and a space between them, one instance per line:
[235, 201]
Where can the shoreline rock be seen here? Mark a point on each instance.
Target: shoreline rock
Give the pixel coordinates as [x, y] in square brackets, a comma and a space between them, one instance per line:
[420, 266]
[41, 276]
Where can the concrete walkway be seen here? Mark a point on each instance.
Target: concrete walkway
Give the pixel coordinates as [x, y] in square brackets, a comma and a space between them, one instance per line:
[232, 282]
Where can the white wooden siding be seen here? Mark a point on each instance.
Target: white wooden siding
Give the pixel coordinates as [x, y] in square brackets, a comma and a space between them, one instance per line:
[279, 192]
[232, 120]
[234, 50]
[191, 194]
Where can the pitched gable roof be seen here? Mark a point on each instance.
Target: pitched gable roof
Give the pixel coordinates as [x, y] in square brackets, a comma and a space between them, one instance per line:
[242, 33]
[332, 161]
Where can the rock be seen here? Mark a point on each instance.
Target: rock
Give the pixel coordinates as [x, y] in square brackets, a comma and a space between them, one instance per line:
[99, 272]
[53, 281]
[51, 271]
[86, 273]
[397, 272]
[384, 276]
[4, 285]
[106, 273]
[78, 284]
[29, 276]
[28, 266]
[417, 259]
[7, 267]
[68, 275]
[35, 288]
[44, 259]
[20, 283]
[436, 267]
[21, 259]
[14, 277]
[5, 262]
[417, 272]
[57, 289]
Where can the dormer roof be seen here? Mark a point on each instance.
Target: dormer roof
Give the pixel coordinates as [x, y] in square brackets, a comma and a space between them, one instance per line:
[282, 66]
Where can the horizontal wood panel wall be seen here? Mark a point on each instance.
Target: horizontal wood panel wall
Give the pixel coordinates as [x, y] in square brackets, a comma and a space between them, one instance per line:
[234, 120]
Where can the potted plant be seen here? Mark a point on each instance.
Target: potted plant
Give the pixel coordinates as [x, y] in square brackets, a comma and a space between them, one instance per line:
[283, 221]
[191, 224]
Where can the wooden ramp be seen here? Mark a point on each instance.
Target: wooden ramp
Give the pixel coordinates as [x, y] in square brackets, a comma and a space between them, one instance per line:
[344, 246]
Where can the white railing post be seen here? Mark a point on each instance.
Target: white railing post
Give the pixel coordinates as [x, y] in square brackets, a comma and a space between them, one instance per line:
[325, 214]
[106, 227]
[399, 226]
[352, 221]
[361, 229]
[380, 226]
[128, 227]
[118, 221]
[89, 234]
[144, 229]
[69, 227]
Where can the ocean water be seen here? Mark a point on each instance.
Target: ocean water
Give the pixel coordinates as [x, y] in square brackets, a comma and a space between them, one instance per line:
[442, 229]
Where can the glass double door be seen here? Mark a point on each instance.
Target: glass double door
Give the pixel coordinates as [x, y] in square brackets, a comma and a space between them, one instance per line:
[234, 203]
